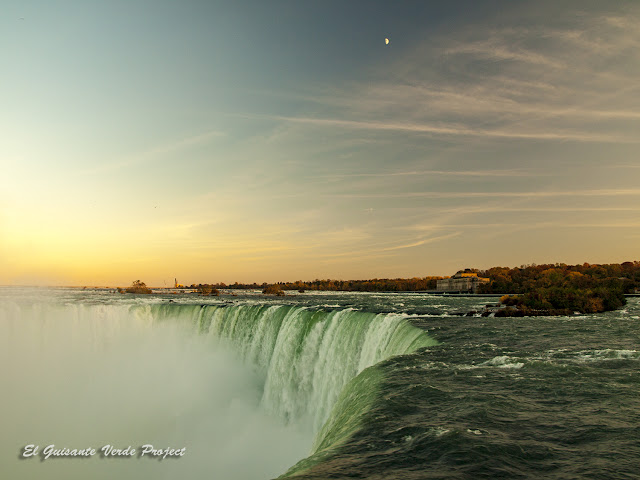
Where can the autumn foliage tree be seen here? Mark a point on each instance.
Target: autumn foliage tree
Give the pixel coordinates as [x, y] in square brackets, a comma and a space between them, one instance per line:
[138, 287]
[273, 290]
[562, 288]
[208, 290]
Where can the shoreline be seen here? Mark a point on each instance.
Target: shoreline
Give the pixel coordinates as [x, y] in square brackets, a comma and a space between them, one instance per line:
[165, 290]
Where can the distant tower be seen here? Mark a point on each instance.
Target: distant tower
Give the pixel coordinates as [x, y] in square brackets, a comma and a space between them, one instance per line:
[175, 283]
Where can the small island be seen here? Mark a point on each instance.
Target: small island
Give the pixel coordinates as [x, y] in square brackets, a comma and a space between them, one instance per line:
[138, 287]
[562, 289]
[274, 290]
[208, 290]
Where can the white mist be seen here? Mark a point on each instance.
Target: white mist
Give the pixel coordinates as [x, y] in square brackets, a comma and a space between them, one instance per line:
[81, 376]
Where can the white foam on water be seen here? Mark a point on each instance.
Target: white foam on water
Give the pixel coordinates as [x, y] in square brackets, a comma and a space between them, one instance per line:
[608, 354]
[503, 361]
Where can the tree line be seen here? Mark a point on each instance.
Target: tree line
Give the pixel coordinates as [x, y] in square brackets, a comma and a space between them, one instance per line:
[557, 288]
[527, 278]
[562, 289]
[372, 285]
[517, 280]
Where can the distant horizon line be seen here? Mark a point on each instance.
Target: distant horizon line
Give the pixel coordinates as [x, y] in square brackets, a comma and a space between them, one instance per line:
[228, 285]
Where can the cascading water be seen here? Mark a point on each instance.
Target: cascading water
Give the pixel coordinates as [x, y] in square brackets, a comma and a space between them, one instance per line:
[135, 373]
[307, 356]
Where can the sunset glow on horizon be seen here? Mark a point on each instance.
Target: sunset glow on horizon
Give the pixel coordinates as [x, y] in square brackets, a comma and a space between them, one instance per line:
[240, 141]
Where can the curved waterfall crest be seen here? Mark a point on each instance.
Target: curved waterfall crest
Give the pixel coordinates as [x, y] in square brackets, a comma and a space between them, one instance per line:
[307, 356]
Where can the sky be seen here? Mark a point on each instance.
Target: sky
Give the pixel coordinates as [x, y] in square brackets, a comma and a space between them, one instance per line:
[223, 141]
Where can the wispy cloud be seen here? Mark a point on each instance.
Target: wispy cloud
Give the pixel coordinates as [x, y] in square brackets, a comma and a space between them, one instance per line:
[504, 96]
[423, 241]
[537, 194]
[495, 49]
[472, 209]
[572, 81]
[461, 130]
[373, 251]
[448, 173]
[155, 152]
[545, 224]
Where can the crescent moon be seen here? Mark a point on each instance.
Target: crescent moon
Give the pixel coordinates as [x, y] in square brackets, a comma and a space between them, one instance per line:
[386, 41]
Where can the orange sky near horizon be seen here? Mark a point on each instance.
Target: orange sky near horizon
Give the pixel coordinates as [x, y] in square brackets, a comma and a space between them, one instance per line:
[307, 148]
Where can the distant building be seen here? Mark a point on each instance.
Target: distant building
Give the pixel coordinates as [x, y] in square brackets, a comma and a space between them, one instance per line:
[461, 282]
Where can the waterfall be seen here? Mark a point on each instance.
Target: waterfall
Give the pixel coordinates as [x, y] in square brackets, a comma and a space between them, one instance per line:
[228, 382]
